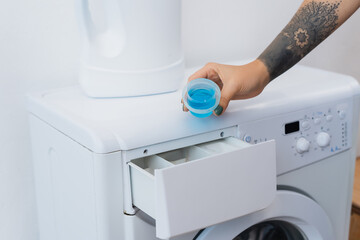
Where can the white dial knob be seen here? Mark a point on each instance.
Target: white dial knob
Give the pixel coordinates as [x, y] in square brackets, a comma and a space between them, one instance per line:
[323, 139]
[302, 145]
[317, 121]
[342, 114]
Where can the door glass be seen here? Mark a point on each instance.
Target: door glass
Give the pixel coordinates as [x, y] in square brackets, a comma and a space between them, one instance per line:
[272, 230]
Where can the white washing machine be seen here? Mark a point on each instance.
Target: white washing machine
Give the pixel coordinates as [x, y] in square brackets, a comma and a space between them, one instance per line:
[278, 166]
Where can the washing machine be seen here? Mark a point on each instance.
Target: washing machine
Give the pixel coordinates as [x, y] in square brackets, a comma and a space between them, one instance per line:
[277, 166]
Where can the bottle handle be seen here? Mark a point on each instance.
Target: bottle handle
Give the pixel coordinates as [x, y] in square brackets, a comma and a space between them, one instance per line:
[110, 42]
[86, 23]
[113, 16]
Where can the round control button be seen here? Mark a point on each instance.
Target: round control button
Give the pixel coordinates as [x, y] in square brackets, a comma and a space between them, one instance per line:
[317, 121]
[305, 125]
[323, 139]
[302, 145]
[342, 114]
[247, 138]
[329, 118]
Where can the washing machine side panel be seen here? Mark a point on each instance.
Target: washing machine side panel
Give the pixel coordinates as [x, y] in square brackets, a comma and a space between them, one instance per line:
[355, 152]
[109, 196]
[356, 125]
[329, 183]
[64, 183]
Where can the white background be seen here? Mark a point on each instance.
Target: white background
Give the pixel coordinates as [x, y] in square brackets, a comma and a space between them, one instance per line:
[39, 49]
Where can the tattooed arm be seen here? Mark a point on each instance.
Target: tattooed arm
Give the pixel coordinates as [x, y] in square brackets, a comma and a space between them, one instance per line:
[314, 21]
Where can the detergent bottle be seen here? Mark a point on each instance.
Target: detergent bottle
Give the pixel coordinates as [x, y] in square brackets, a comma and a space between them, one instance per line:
[130, 47]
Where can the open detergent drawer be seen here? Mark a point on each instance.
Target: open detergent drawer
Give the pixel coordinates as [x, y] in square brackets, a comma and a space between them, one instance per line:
[195, 187]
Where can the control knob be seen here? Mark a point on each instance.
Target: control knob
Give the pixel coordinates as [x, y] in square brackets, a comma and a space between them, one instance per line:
[342, 114]
[302, 145]
[323, 139]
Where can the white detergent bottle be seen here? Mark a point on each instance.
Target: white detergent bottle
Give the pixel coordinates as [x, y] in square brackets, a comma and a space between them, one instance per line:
[130, 47]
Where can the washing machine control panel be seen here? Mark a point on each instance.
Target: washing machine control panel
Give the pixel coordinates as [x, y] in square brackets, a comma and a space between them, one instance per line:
[305, 136]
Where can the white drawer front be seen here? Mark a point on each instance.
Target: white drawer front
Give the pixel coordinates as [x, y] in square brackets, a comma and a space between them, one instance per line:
[202, 185]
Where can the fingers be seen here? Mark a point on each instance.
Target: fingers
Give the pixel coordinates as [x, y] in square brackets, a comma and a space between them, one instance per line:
[235, 82]
[209, 71]
[184, 108]
[227, 94]
[212, 71]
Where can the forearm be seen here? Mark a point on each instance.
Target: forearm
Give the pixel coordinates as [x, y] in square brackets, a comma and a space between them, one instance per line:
[313, 22]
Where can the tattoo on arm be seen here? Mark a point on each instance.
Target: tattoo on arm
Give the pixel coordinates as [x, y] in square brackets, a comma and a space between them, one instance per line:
[312, 23]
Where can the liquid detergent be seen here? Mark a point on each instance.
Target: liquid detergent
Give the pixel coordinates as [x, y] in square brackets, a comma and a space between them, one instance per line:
[201, 96]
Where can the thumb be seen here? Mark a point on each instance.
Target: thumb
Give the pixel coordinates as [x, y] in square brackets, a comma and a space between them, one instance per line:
[227, 94]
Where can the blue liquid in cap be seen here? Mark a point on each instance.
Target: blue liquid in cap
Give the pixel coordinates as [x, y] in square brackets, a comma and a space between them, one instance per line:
[201, 98]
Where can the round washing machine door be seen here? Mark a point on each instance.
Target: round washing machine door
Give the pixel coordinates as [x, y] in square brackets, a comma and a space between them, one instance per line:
[291, 216]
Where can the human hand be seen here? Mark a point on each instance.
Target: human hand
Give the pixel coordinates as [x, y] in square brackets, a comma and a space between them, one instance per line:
[235, 82]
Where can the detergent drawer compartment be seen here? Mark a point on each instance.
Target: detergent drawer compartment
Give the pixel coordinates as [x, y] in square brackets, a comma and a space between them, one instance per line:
[194, 187]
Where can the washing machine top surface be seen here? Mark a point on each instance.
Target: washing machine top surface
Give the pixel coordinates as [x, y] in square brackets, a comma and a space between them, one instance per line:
[106, 125]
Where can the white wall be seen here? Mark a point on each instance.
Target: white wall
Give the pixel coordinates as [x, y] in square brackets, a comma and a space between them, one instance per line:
[39, 49]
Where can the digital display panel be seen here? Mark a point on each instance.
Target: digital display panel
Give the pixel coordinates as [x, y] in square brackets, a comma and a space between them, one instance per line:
[292, 127]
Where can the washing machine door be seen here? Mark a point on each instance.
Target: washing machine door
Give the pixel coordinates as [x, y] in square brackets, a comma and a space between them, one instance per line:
[291, 216]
